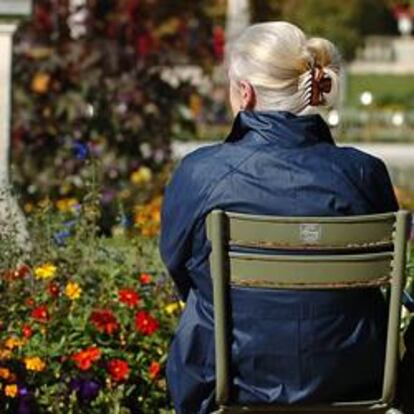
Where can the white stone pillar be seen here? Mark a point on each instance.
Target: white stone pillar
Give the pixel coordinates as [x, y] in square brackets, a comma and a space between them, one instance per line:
[238, 18]
[6, 43]
[12, 220]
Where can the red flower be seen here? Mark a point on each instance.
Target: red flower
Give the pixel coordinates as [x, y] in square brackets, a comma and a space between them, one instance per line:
[145, 323]
[104, 321]
[29, 302]
[154, 369]
[19, 273]
[84, 359]
[218, 42]
[118, 369]
[40, 313]
[144, 44]
[145, 278]
[129, 297]
[23, 270]
[53, 289]
[27, 331]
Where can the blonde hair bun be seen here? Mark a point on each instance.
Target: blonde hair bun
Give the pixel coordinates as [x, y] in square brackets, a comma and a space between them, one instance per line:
[324, 53]
[278, 60]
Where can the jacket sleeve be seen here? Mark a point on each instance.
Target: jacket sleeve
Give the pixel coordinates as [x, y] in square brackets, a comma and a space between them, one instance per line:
[384, 196]
[177, 218]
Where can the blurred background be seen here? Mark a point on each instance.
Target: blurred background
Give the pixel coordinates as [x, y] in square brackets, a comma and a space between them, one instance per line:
[135, 84]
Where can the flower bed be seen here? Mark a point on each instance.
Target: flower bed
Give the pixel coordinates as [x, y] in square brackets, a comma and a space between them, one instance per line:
[86, 322]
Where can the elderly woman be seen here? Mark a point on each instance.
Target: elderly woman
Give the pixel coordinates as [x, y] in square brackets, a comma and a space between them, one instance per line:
[279, 159]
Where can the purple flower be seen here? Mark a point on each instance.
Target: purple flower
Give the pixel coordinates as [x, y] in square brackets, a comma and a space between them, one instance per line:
[108, 196]
[60, 237]
[80, 150]
[23, 391]
[86, 389]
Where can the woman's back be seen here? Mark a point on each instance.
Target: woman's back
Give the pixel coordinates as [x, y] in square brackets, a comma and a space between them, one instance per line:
[287, 346]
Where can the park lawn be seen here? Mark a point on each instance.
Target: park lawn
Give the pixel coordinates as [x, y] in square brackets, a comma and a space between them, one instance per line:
[388, 90]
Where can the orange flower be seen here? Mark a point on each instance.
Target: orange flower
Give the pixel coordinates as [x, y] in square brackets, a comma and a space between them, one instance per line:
[11, 390]
[84, 359]
[5, 373]
[34, 364]
[129, 297]
[147, 218]
[5, 354]
[145, 278]
[13, 342]
[40, 83]
[145, 323]
[104, 321]
[154, 369]
[118, 369]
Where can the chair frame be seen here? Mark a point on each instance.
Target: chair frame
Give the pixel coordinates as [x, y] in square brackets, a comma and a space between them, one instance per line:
[360, 233]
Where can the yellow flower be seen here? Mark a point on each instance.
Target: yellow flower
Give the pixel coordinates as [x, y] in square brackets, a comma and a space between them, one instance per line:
[5, 373]
[73, 290]
[28, 207]
[67, 205]
[141, 176]
[124, 194]
[13, 342]
[44, 203]
[46, 271]
[11, 390]
[173, 307]
[34, 364]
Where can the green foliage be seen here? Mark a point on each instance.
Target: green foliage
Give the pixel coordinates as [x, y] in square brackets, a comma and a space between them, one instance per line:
[48, 328]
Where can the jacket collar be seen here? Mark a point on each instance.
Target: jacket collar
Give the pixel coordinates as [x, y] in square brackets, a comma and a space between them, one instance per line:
[282, 128]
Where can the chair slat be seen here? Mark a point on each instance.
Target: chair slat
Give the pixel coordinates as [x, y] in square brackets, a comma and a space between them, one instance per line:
[310, 232]
[310, 272]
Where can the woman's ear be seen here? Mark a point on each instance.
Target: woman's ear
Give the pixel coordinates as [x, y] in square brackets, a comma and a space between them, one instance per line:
[248, 96]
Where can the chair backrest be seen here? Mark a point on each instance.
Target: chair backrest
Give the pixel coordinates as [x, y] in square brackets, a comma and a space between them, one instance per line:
[307, 253]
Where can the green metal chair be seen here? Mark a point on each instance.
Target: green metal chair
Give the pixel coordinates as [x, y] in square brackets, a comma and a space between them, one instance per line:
[333, 267]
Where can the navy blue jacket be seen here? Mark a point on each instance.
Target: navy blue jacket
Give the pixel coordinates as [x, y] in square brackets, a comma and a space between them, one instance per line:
[287, 346]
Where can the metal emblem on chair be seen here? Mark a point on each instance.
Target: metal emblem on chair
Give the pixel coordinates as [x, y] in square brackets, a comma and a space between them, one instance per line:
[310, 233]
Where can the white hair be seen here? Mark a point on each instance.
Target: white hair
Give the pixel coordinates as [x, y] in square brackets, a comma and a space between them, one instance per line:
[278, 60]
